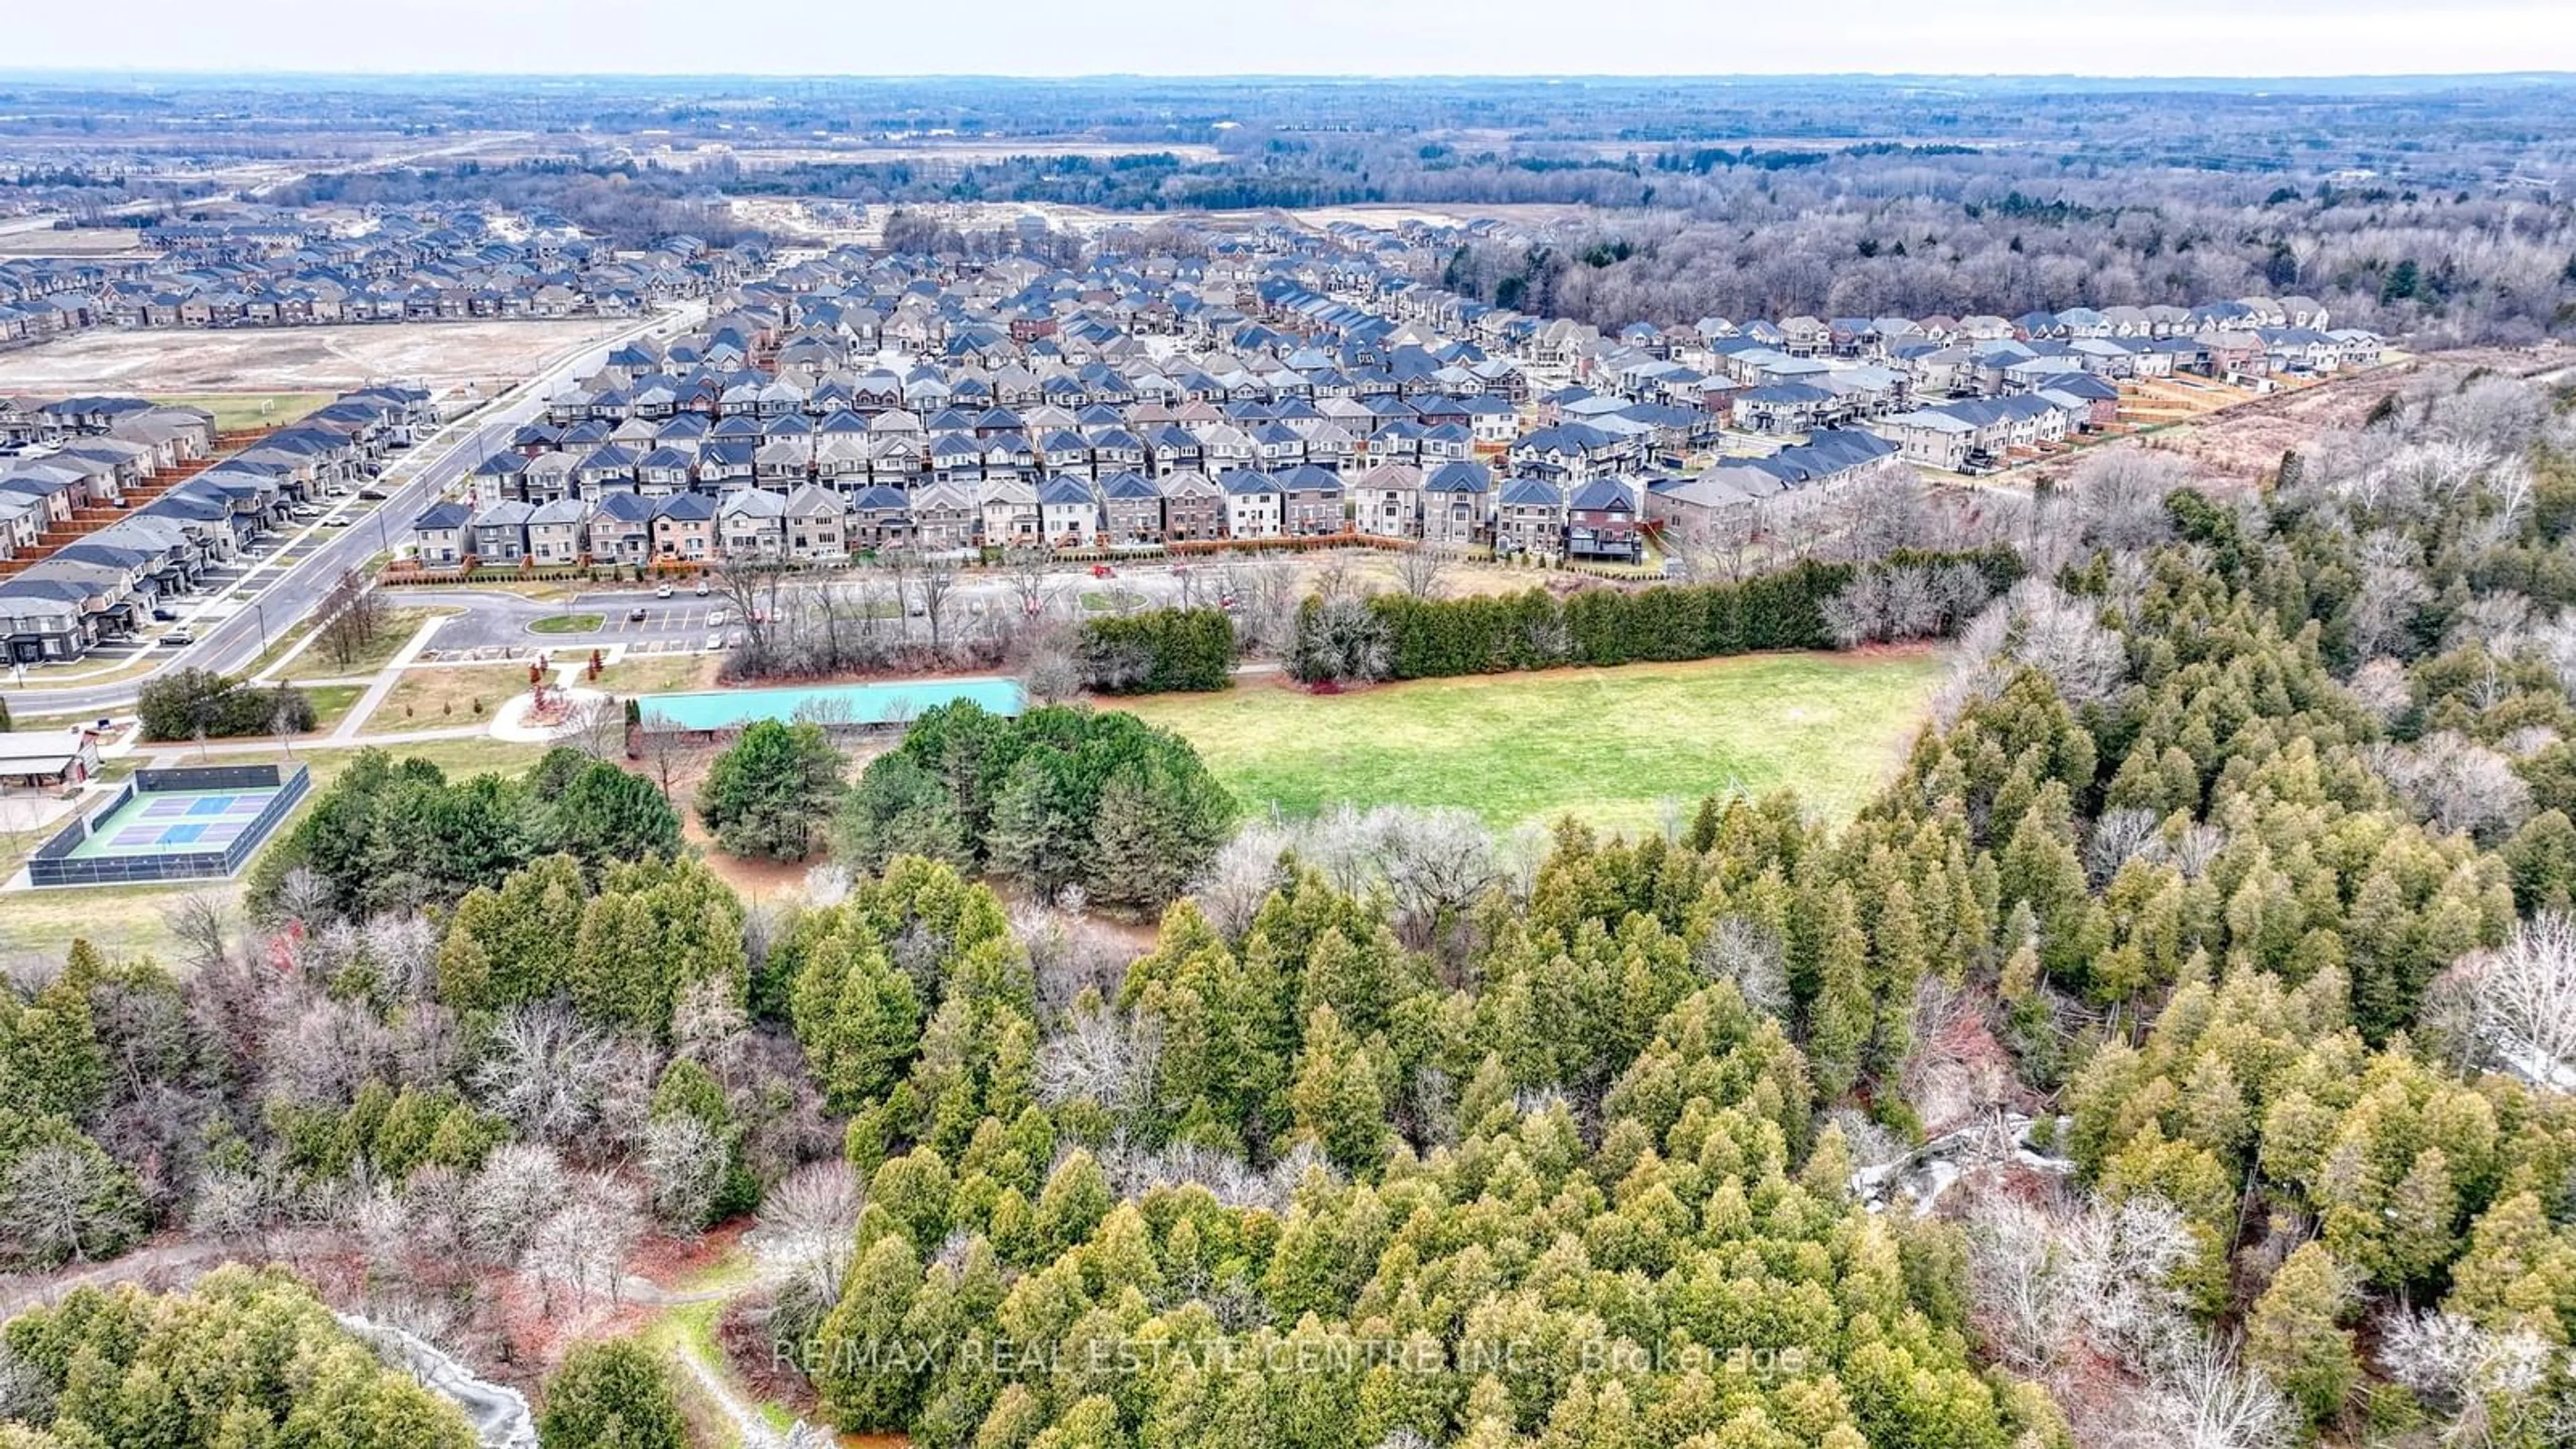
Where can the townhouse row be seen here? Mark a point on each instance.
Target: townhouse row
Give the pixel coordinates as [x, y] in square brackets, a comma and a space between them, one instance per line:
[113, 509]
[1456, 504]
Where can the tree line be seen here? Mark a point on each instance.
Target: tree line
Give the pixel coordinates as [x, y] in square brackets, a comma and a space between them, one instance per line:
[1346, 638]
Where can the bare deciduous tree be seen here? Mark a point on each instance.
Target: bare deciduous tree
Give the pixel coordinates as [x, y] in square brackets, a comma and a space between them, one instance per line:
[666, 751]
[1436, 861]
[353, 618]
[1422, 571]
[57, 1201]
[202, 922]
[934, 584]
[752, 586]
[304, 896]
[321, 1050]
[1052, 674]
[1242, 876]
[1102, 1056]
[805, 1226]
[2392, 593]
[581, 1246]
[2200, 1397]
[2456, 782]
[546, 1072]
[231, 1205]
[684, 1164]
[1748, 953]
[2521, 999]
[518, 1185]
[1034, 581]
[597, 729]
[2118, 837]
[2496, 1389]
[1265, 603]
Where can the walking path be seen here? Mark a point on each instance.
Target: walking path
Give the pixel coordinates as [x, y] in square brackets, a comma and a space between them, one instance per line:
[386, 679]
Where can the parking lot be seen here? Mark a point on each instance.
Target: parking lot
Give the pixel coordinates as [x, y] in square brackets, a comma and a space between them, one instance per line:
[492, 624]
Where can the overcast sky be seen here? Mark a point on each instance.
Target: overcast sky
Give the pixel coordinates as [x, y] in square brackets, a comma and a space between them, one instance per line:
[1380, 37]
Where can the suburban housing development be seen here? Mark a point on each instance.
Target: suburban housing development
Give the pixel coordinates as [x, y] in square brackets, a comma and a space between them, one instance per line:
[1285, 387]
[111, 507]
[277, 267]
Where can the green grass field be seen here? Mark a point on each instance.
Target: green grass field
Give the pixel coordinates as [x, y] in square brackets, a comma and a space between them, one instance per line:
[331, 702]
[237, 411]
[1608, 746]
[568, 624]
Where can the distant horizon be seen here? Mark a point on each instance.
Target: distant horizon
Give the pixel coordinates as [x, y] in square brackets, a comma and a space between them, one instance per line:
[57, 73]
[1323, 39]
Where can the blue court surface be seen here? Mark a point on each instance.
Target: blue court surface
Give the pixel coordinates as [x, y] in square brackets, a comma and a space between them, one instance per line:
[883, 702]
[193, 820]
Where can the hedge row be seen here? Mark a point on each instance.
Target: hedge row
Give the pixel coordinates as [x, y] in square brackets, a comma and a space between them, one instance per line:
[177, 706]
[1433, 638]
[1158, 651]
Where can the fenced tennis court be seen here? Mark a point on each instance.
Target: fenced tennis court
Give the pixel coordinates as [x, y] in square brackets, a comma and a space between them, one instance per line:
[185, 824]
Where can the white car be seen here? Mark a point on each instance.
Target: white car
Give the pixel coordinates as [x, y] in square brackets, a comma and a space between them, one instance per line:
[715, 618]
[715, 643]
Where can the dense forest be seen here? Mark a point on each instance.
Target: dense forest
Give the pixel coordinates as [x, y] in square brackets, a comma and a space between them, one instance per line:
[2217, 928]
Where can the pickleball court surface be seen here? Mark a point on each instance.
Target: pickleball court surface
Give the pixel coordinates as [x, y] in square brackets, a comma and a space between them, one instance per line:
[180, 820]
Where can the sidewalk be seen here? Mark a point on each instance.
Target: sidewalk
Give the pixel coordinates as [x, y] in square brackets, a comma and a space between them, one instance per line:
[386, 679]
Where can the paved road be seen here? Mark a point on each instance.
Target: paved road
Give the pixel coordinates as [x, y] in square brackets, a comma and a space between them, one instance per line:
[288, 579]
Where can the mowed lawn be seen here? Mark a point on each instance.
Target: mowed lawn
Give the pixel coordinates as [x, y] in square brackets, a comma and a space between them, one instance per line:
[1608, 746]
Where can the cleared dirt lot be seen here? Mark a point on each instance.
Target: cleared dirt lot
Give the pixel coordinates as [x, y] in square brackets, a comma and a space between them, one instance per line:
[101, 241]
[2241, 443]
[293, 359]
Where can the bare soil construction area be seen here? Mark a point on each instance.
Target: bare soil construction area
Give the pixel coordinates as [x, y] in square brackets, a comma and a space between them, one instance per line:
[2244, 441]
[46, 241]
[292, 359]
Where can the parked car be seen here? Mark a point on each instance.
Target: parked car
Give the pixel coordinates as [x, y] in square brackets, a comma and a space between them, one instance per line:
[663, 592]
[715, 642]
[177, 639]
[338, 521]
[166, 616]
[702, 588]
[636, 615]
[715, 617]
